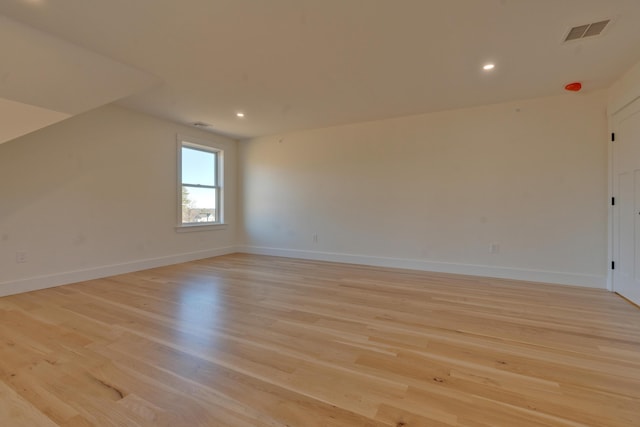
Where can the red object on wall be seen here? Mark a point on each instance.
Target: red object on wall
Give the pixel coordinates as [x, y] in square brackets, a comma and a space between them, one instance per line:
[573, 87]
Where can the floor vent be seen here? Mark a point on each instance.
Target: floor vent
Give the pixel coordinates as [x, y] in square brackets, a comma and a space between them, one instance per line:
[587, 30]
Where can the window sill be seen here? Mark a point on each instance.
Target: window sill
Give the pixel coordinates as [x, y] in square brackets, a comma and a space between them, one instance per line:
[188, 228]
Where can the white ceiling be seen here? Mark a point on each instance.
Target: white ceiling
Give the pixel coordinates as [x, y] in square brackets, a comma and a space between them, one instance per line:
[17, 119]
[296, 64]
[44, 80]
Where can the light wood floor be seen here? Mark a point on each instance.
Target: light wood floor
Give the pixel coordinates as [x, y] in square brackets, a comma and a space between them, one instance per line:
[246, 340]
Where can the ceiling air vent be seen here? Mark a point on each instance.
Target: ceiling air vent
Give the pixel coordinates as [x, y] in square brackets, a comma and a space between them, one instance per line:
[587, 30]
[201, 124]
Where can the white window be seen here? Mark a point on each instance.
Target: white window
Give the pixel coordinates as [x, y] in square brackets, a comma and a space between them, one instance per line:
[200, 168]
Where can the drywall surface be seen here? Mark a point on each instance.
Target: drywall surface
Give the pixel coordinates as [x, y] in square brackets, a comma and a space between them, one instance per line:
[514, 190]
[625, 90]
[44, 79]
[96, 195]
[20, 119]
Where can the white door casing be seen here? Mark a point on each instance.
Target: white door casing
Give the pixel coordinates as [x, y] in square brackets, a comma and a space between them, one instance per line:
[626, 210]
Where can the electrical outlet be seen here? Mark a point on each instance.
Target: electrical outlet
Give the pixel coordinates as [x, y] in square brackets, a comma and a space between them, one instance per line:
[494, 248]
[21, 257]
[315, 238]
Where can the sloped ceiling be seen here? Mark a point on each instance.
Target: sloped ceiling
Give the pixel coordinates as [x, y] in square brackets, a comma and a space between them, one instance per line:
[17, 119]
[44, 80]
[296, 64]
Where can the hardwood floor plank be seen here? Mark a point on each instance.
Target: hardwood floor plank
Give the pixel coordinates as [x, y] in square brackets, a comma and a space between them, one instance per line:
[244, 340]
[19, 412]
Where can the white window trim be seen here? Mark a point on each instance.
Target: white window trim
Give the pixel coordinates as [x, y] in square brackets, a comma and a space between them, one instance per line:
[183, 140]
[188, 228]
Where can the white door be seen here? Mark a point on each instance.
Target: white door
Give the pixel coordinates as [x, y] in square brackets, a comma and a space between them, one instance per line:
[626, 211]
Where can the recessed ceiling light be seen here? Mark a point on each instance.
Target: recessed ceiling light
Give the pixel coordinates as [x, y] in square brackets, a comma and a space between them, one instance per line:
[489, 67]
[239, 114]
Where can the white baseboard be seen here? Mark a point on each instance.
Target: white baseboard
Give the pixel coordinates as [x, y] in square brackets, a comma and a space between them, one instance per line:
[49, 281]
[57, 279]
[560, 278]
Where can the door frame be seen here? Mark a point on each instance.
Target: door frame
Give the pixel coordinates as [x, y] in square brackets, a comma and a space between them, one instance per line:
[612, 120]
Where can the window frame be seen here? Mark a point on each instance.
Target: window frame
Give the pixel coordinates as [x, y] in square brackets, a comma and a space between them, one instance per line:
[208, 147]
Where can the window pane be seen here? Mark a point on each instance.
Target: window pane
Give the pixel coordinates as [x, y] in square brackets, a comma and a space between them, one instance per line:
[198, 167]
[199, 205]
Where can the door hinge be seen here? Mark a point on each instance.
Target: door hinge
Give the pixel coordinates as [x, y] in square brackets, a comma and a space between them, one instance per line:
[613, 265]
[613, 136]
[613, 201]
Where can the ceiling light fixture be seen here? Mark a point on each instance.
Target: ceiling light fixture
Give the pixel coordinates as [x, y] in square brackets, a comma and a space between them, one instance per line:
[239, 114]
[489, 67]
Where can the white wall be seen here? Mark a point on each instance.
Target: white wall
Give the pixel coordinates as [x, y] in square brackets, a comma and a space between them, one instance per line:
[625, 90]
[434, 191]
[96, 195]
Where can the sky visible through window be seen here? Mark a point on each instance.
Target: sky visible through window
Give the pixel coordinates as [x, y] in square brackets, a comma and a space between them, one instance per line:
[199, 167]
